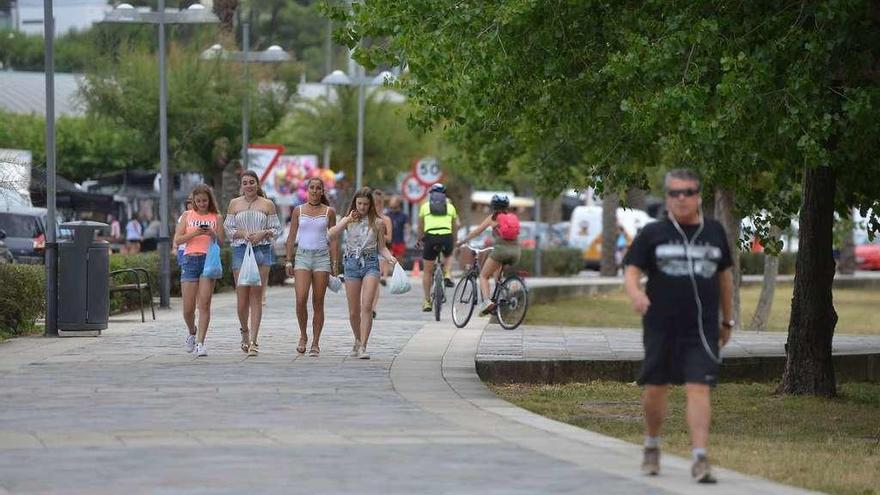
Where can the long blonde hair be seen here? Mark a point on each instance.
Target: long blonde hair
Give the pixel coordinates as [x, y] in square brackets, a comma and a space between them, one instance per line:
[206, 190]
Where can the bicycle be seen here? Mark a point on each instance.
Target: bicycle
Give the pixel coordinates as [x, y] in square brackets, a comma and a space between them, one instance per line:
[438, 289]
[511, 296]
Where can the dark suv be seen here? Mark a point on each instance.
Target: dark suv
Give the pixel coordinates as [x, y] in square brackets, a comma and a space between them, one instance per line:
[25, 233]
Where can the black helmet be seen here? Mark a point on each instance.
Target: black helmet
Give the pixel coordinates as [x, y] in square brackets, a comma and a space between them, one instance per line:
[500, 201]
[438, 187]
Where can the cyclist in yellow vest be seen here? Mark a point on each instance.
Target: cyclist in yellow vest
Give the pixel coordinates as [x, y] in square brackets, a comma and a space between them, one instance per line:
[438, 220]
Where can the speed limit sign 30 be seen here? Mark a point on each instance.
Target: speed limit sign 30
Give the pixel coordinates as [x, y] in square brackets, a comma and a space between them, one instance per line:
[427, 171]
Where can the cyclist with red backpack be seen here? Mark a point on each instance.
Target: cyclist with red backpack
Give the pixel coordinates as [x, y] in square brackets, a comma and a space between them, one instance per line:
[506, 250]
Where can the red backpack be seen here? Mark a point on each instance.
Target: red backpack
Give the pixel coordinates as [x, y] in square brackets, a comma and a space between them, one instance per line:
[508, 226]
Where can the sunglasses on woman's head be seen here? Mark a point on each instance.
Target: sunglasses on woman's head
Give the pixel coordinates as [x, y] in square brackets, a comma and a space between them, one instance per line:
[677, 193]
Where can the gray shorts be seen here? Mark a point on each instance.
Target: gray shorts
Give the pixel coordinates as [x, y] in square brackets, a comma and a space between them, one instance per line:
[316, 260]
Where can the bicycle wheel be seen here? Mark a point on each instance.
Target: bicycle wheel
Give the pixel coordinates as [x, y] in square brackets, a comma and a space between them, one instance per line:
[439, 294]
[464, 298]
[512, 303]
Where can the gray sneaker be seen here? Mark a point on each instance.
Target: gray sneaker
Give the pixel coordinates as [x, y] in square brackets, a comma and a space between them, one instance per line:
[651, 461]
[701, 471]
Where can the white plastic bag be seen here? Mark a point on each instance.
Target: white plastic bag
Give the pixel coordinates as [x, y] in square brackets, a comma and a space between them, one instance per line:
[399, 283]
[250, 272]
[334, 284]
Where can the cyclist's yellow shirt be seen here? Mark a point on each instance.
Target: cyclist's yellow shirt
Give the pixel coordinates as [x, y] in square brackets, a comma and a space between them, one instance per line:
[436, 224]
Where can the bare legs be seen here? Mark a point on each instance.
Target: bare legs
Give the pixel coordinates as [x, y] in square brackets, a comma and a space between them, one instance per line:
[360, 294]
[205, 292]
[189, 291]
[489, 270]
[317, 282]
[250, 304]
[698, 411]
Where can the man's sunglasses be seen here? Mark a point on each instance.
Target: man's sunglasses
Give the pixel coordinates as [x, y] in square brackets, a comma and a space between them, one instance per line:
[677, 193]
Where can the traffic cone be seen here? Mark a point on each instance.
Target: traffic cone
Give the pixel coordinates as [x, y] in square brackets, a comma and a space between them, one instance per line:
[416, 271]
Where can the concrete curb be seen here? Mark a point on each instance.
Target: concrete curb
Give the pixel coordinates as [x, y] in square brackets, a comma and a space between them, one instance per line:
[436, 371]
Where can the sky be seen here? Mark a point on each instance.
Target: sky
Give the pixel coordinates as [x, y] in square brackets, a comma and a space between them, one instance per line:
[69, 14]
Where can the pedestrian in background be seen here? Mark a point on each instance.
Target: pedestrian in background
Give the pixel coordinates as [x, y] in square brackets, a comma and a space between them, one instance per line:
[364, 242]
[687, 260]
[310, 261]
[134, 234]
[197, 229]
[385, 222]
[399, 227]
[251, 219]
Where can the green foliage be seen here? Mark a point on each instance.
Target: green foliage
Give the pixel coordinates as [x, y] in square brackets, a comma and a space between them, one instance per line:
[85, 146]
[22, 296]
[753, 263]
[748, 94]
[204, 105]
[555, 262]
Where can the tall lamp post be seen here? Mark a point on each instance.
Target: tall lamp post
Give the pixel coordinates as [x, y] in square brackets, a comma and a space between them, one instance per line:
[339, 78]
[195, 14]
[51, 242]
[273, 54]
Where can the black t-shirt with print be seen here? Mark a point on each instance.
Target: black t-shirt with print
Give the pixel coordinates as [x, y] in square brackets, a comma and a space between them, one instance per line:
[659, 251]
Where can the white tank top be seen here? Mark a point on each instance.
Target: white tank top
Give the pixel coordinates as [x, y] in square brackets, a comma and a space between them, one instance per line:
[312, 231]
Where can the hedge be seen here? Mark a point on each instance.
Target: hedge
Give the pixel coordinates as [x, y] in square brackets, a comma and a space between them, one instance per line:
[555, 262]
[22, 297]
[753, 263]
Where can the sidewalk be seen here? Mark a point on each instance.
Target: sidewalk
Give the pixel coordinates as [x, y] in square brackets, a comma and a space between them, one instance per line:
[130, 412]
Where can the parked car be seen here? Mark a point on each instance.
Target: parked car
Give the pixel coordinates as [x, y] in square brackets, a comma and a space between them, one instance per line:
[25, 229]
[5, 254]
[483, 240]
[868, 256]
[550, 236]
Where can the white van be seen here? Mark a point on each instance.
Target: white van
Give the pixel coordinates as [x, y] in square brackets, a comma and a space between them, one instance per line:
[585, 229]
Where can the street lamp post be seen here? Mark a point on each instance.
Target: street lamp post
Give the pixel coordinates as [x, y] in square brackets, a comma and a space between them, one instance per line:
[339, 78]
[51, 252]
[195, 14]
[273, 54]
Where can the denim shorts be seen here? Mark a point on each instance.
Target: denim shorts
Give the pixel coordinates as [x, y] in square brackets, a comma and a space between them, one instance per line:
[192, 267]
[357, 268]
[316, 260]
[263, 254]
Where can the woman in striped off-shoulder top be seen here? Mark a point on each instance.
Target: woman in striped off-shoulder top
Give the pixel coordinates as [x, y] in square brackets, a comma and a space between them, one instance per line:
[251, 218]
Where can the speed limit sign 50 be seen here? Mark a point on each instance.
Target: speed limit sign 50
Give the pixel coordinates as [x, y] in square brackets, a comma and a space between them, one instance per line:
[427, 171]
[413, 190]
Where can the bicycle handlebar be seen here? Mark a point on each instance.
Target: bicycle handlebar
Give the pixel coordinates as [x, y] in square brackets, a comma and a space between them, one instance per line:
[478, 251]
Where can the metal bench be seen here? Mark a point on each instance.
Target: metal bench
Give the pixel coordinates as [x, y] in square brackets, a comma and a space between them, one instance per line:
[138, 280]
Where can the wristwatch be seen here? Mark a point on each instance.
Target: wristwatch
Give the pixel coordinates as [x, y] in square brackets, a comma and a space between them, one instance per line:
[728, 323]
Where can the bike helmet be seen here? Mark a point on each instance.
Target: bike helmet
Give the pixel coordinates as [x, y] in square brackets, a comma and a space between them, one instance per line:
[499, 201]
[438, 187]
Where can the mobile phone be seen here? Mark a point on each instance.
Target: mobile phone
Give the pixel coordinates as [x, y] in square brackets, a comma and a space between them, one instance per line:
[204, 226]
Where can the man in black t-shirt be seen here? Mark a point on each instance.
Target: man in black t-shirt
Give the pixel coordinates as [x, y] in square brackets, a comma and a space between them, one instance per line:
[687, 261]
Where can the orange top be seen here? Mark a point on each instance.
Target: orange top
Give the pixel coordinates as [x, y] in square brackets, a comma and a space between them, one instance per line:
[200, 243]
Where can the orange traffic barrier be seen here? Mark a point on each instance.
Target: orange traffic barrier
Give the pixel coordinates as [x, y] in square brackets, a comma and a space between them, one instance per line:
[416, 270]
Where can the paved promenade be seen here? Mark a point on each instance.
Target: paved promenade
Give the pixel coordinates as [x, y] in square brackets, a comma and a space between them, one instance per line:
[130, 412]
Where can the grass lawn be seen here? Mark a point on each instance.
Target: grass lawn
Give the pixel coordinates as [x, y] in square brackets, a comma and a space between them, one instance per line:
[856, 310]
[831, 445]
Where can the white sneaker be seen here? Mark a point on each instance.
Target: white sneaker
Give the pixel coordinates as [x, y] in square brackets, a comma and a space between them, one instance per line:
[355, 349]
[363, 354]
[190, 343]
[201, 350]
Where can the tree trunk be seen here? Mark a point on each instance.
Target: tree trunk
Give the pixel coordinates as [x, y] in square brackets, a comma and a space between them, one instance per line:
[846, 265]
[230, 182]
[808, 365]
[608, 265]
[725, 214]
[225, 10]
[765, 301]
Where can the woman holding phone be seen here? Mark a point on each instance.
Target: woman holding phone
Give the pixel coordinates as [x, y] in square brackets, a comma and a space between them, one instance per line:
[198, 228]
[364, 242]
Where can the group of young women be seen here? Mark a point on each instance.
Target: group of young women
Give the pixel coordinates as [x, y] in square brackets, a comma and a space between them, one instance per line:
[315, 233]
